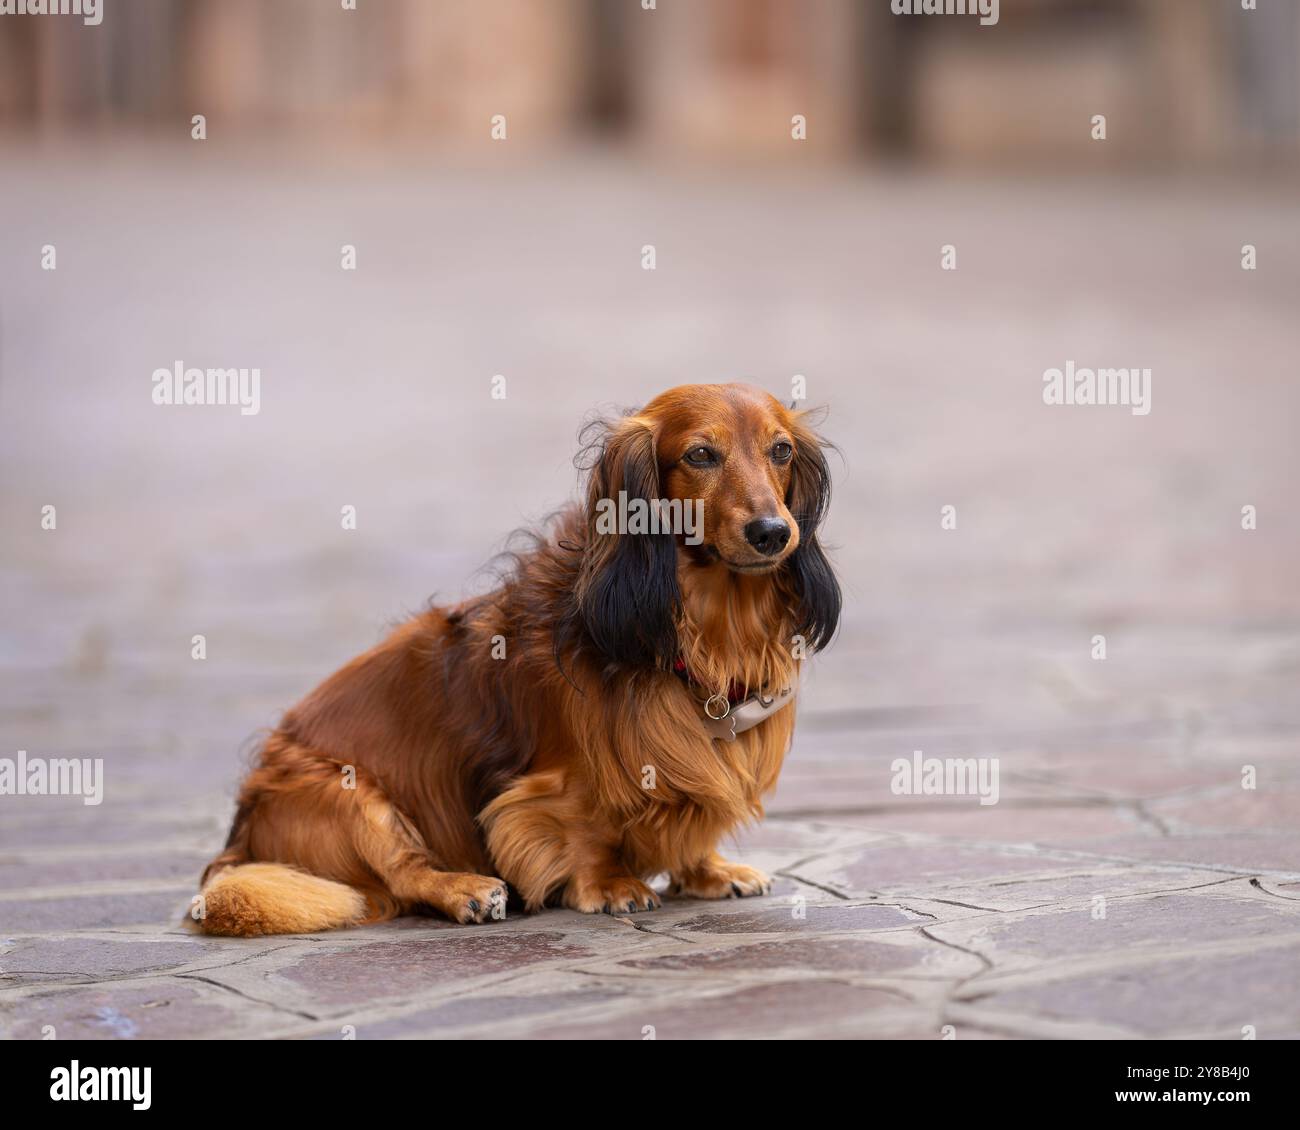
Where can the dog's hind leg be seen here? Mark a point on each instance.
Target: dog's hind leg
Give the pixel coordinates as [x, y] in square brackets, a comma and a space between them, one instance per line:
[318, 844]
[392, 848]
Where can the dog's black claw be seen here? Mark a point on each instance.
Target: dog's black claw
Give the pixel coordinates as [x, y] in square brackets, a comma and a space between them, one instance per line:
[735, 887]
[473, 905]
[606, 909]
[632, 906]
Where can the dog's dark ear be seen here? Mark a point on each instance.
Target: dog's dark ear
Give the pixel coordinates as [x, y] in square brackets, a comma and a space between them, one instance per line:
[815, 587]
[627, 593]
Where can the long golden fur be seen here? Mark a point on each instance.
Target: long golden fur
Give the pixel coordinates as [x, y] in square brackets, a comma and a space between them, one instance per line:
[548, 736]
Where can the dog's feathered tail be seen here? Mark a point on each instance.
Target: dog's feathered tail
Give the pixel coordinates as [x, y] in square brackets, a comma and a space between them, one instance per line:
[252, 899]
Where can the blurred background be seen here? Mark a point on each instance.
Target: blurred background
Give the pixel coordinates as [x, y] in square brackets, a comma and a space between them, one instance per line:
[776, 258]
[1195, 82]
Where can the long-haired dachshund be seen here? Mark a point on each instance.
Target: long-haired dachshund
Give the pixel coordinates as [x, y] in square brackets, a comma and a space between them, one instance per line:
[616, 706]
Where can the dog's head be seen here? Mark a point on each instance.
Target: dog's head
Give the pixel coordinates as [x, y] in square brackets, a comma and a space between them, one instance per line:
[716, 477]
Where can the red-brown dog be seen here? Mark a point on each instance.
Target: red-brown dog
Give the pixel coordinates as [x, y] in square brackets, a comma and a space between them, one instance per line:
[609, 713]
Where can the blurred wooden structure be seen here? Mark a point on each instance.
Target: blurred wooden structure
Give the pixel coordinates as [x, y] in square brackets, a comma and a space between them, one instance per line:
[1179, 80]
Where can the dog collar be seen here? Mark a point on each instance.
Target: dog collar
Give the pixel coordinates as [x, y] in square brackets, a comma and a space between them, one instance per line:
[728, 715]
[736, 718]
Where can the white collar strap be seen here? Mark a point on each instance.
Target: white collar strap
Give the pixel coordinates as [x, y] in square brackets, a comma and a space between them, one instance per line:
[725, 720]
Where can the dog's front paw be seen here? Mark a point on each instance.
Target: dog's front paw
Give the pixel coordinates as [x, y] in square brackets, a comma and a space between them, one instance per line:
[619, 895]
[721, 880]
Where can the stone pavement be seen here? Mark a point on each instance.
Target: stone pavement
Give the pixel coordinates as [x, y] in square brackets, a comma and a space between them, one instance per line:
[1125, 884]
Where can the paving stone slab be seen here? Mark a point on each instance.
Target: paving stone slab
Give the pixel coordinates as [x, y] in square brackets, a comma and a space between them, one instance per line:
[787, 893]
[803, 1009]
[907, 866]
[1268, 807]
[1086, 883]
[332, 974]
[1168, 924]
[864, 785]
[484, 1013]
[1252, 853]
[799, 918]
[86, 957]
[778, 834]
[162, 1009]
[896, 955]
[1007, 824]
[94, 912]
[104, 826]
[1145, 773]
[20, 872]
[1208, 997]
[1281, 888]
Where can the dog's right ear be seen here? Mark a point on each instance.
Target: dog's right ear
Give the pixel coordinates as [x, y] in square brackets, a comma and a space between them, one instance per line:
[627, 593]
[815, 586]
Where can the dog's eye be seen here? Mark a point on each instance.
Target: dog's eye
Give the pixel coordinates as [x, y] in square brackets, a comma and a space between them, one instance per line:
[782, 451]
[701, 456]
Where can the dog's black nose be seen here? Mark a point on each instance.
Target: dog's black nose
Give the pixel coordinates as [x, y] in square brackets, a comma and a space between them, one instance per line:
[768, 535]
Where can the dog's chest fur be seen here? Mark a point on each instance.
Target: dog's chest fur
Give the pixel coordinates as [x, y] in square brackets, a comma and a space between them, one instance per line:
[673, 831]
